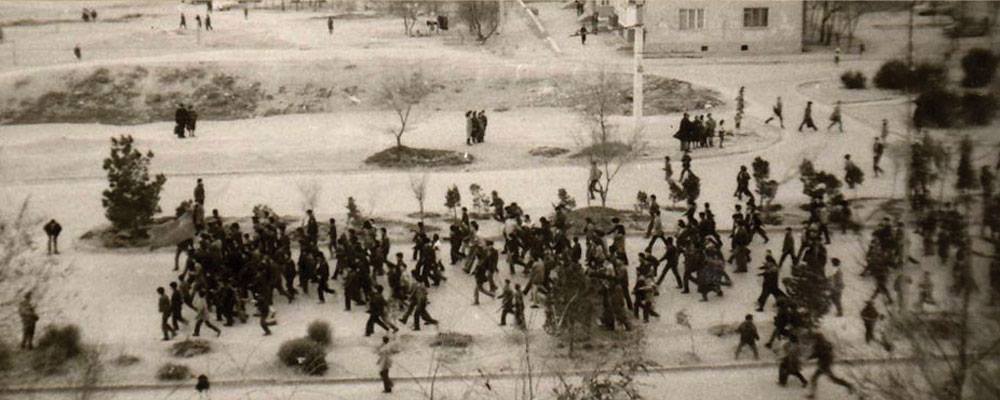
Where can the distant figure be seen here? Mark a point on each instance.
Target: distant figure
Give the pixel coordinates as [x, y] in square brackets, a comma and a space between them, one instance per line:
[246, 13]
[836, 118]
[748, 337]
[202, 386]
[836, 56]
[384, 363]
[579, 7]
[93, 15]
[329, 24]
[208, 22]
[199, 192]
[877, 150]
[593, 22]
[192, 119]
[668, 171]
[180, 117]
[77, 52]
[184, 22]
[86, 15]
[885, 129]
[583, 35]
[482, 122]
[26, 310]
[807, 118]
[197, 18]
[52, 230]
[1, 34]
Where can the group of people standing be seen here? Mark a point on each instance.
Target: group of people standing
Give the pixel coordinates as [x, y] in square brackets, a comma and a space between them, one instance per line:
[199, 21]
[475, 127]
[186, 120]
[700, 132]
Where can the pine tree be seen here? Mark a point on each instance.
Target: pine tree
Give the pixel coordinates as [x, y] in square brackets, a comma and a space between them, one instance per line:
[808, 292]
[132, 197]
[565, 200]
[767, 188]
[570, 306]
[354, 216]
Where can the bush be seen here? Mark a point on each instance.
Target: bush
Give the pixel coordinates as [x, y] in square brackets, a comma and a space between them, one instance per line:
[173, 372]
[936, 108]
[305, 354]
[190, 347]
[854, 80]
[319, 332]
[892, 75]
[895, 75]
[452, 339]
[132, 196]
[65, 338]
[979, 66]
[979, 109]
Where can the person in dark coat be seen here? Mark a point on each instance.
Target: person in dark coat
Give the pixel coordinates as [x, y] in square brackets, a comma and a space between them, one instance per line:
[322, 276]
[807, 119]
[377, 313]
[748, 337]
[163, 305]
[823, 353]
[208, 22]
[770, 286]
[192, 120]
[312, 229]
[77, 52]
[184, 23]
[52, 230]
[329, 24]
[583, 35]
[180, 118]
[684, 134]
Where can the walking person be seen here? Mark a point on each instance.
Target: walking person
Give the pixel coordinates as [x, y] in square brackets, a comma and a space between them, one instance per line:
[192, 119]
[836, 118]
[668, 171]
[878, 148]
[29, 318]
[329, 24]
[869, 315]
[807, 119]
[583, 35]
[791, 363]
[52, 230]
[788, 248]
[743, 184]
[184, 23]
[770, 286]
[200, 305]
[176, 306]
[163, 306]
[384, 363]
[197, 18]
[823, 353]
[748, 337]
[776, 113]
[208, 22]
[77, 52]
[180, 120]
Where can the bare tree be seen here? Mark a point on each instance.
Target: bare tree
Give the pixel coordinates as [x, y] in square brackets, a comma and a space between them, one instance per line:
[400, 93]
[605, 149]
[953, 351]
[408, 10]
[418, 184]
[482, 17]
[22, 271]
[310, 191]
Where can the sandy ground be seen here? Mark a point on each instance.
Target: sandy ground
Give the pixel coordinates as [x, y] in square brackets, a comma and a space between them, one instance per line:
[57, 167]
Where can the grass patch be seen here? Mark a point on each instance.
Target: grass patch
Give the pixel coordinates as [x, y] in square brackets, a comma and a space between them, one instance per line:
[409, 157]
[304, 354]
[190, 348]
[603, 151]
[126, 360]
[452, 340]
[57, 345]
[173, 372]
[547, 151]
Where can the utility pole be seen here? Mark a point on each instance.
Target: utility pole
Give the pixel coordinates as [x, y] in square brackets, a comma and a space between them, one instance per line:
[639, 39]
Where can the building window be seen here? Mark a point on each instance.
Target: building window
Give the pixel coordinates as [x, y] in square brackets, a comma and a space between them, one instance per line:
[755, 17]
[692, 18]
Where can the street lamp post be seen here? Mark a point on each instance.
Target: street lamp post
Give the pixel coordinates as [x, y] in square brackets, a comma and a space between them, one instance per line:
[637, 49]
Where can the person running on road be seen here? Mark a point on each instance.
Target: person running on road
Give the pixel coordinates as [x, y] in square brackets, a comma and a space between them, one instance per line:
[836, 118]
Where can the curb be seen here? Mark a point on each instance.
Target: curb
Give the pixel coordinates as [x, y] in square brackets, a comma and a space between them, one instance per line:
[445, 378]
